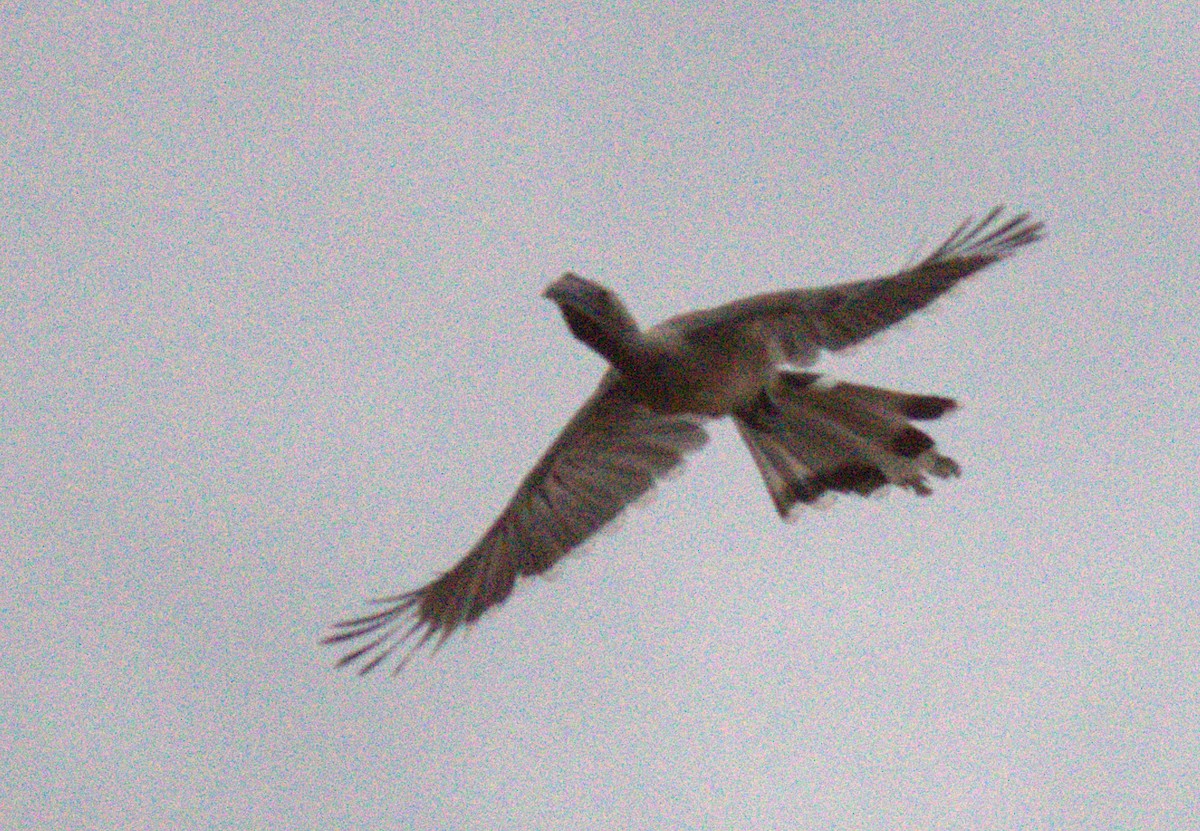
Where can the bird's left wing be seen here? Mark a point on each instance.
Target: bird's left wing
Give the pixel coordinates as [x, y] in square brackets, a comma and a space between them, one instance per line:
[800, 322]
[608, 455]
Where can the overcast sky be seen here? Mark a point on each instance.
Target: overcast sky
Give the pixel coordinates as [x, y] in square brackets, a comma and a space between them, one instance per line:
[271, 343]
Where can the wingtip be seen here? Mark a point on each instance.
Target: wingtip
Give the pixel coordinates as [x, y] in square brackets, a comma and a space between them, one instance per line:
[991, 238]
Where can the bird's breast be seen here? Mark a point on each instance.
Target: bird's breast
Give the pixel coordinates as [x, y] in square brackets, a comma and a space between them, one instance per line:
[704, 379]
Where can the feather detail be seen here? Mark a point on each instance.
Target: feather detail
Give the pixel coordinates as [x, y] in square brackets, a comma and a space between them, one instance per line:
[809, 436]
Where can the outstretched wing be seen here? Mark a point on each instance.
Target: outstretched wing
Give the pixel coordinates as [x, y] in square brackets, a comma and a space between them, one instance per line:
[800, 322]
[608, 455]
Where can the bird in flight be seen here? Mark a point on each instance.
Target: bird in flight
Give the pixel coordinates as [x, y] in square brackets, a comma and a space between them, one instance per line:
[808, 435]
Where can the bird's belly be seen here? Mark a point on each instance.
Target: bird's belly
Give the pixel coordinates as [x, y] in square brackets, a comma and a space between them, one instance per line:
[712, 388]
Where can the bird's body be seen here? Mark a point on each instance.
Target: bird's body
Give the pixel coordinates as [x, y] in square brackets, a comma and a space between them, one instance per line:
[806, 435]
[710, 374]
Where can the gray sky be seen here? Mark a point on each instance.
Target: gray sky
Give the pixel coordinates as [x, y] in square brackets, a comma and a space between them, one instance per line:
[272, 344]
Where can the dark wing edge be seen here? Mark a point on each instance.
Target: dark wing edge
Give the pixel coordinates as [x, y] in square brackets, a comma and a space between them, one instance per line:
[802, 321]
[612, 452]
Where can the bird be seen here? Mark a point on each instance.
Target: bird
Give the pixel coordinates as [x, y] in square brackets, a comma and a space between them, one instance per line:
[809, 435]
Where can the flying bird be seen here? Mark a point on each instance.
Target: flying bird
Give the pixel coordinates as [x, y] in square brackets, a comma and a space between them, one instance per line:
[808, 435]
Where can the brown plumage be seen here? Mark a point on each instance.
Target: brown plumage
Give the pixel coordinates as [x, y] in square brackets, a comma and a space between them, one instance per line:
[807, 436]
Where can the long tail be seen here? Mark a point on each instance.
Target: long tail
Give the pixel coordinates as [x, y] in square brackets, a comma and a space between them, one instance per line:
[809, 436]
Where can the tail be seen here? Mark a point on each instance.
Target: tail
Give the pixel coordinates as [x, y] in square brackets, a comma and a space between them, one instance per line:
[809, 436]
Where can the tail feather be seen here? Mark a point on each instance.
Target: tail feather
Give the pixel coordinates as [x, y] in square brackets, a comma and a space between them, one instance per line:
[809, 436]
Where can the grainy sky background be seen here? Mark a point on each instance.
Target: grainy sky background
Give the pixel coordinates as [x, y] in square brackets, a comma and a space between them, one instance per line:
[271, 343]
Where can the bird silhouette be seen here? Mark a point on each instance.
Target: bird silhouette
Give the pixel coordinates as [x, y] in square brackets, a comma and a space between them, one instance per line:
[808, 435]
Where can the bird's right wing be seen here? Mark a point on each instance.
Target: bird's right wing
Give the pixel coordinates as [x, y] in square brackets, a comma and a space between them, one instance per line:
[607, 456]
[800, 322]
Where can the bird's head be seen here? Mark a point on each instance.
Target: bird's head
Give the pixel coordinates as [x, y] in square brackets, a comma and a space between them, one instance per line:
[594, 314]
